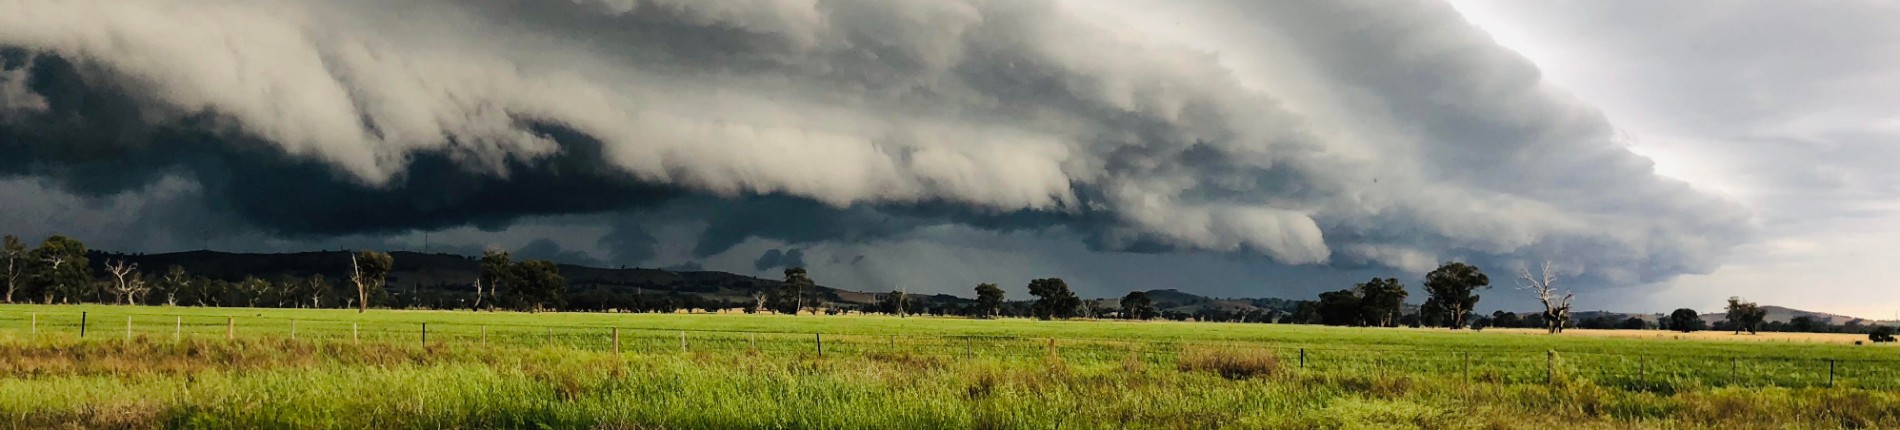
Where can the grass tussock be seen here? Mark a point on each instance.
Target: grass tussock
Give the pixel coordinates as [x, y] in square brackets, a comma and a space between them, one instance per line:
[1230, 363]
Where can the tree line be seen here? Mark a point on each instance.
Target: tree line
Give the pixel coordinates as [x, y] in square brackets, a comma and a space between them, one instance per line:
[59, 271]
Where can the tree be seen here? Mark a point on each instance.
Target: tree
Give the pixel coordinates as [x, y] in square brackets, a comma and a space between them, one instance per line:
[127, 283]
[1381, 301]
[1341, 308]
[1505, 319]
[174, 283]
[1685, 320]
[794, 288]
[368, 270]
[1806, 324]
[497, 268]
[1880, 334]
[897, 302]
[1633, 323]
[13, 260]
[1744, 315]
[315, 288]
[61, 269]
[989, 300]
[1453, 289]
[1137, 306]
[1053, 298]
[1556, 303]
[537, 285]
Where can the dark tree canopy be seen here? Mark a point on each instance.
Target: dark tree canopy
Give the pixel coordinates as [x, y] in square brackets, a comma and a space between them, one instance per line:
[1053, 299]
[1453, 289]
[791, 293]
[537, 285]
[368, 271]
[1381, 301]
[1686, 320]
[1341, 308]
[60, 269]
[1745, 315]
[1137, 306]
[989, 300]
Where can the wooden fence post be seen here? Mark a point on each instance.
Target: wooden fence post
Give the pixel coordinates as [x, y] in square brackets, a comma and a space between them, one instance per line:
[35, 330]
[819, 339]
[967, 354]
[178, 328]
[128, 328]
[1830, 373]
[1052, 348]
[355, 338]
[230, 328]
[1550, 361]
[1302, 358]
[82, 324]
[682, 340]
[425, 334]
[484, 335]
[293, 329]
[1467, 359]
[616, 341]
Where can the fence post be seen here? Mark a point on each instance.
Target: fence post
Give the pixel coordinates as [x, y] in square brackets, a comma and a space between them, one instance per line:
[82, 324]
[892, 344]
[1830, 373]
[1467, 358]
[484, 335]
[1550, 361]
[35, 330]
[819, 338]
[550, 336]
[425, 334]
[230, 328]
[1302, 358]
[1052, 348]
[752, 341]
[354, 338]
[682, 340]
[967, 354]
[128, 328]
[178, 328]
[616, 341]
[293, 329]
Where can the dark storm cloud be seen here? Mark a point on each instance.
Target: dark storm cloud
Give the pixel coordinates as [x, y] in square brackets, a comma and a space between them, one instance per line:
[807, 122]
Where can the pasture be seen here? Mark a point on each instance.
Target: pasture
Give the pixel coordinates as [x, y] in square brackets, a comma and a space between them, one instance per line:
[241, 367]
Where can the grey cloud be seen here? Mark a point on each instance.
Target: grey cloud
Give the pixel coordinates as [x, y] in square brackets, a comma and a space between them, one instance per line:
[810, 122]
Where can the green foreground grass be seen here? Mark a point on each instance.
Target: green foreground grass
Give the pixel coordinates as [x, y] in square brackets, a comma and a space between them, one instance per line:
[504, 370]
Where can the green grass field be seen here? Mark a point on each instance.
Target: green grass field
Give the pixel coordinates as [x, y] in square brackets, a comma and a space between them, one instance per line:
[336, 368]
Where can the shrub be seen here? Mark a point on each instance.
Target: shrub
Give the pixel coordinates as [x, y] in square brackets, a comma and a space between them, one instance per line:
[1230, 363]
[1881, 334]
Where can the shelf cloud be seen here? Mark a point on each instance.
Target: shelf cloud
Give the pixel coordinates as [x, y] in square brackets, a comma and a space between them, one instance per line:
[1382, 134]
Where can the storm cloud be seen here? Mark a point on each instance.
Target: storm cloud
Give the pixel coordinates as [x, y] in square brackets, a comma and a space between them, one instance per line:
[1386, 134]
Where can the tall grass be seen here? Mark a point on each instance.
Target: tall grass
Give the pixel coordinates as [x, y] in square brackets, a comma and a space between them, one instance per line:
[876, 373]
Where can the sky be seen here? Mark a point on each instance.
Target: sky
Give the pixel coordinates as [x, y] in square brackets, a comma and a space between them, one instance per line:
[1658, 155]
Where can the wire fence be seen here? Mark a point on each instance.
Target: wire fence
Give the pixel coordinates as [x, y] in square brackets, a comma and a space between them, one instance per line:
[1646, 370]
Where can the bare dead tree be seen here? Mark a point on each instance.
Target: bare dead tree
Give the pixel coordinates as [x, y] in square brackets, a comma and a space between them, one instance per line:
[477, 306]
[1556, 303]
[124, 287]
[13, 259]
